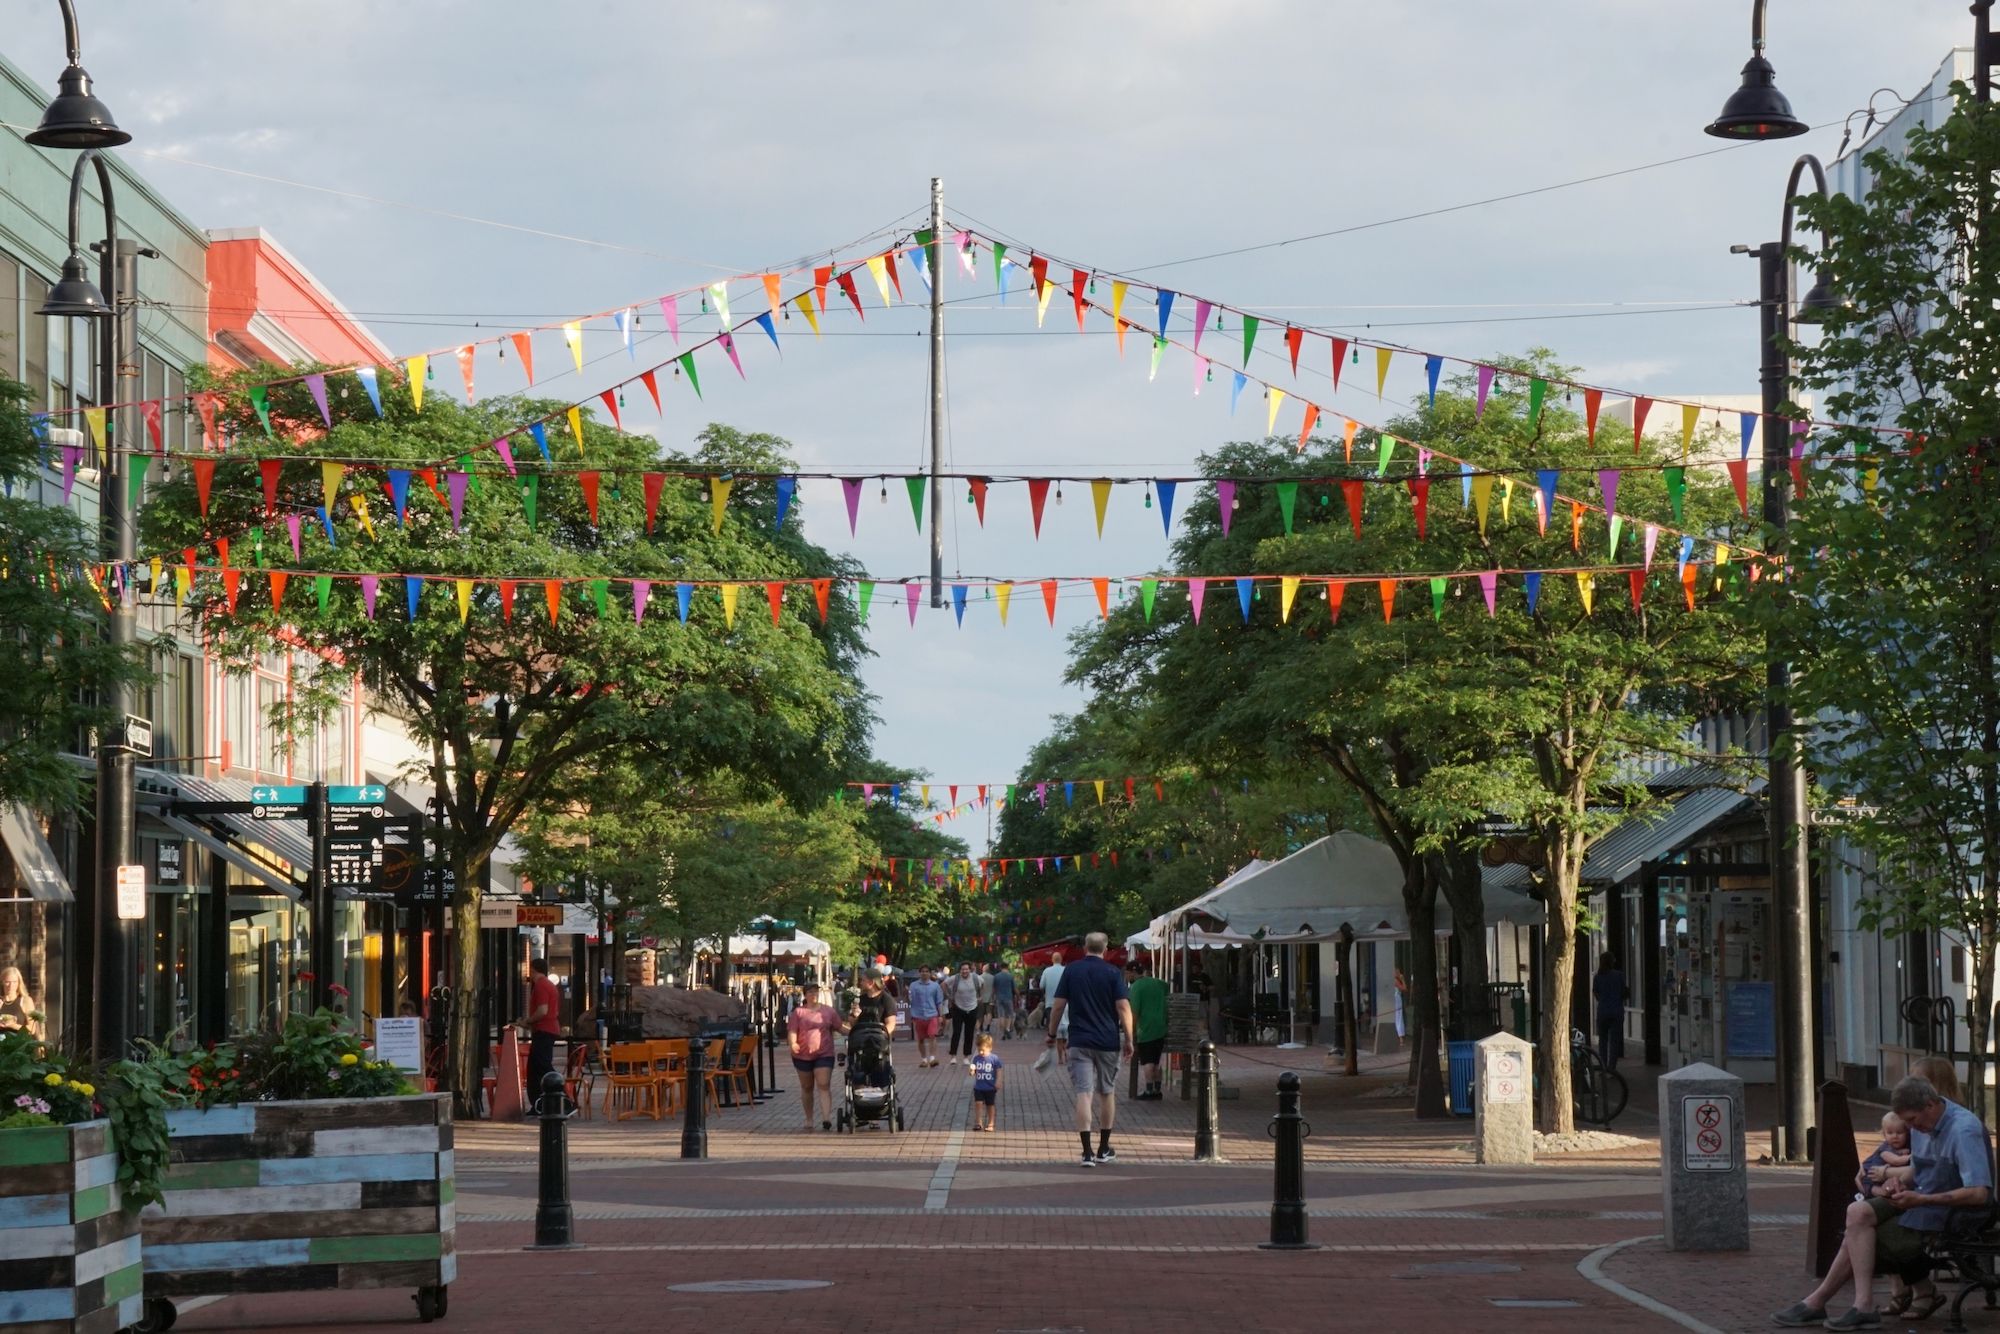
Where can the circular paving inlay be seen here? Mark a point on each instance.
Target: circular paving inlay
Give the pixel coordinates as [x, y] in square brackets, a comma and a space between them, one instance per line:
[751, 1285]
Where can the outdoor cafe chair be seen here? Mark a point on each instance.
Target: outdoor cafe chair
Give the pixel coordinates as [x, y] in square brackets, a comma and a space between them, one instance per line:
[631, 1087]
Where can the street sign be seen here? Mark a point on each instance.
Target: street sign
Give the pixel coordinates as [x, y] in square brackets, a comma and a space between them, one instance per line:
[531, 914]
[1506, 1078]
[166, 863]
[367, 794]
[277, 802]
[1707, 1138]
[131, 893]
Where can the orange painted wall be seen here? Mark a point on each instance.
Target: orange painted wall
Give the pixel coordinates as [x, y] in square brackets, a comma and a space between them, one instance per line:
[250, 275]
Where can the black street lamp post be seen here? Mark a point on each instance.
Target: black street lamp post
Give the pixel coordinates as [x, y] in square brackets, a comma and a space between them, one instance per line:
[75, 118]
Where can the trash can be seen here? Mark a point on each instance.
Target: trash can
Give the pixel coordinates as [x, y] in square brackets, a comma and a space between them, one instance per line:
[1458, 1072]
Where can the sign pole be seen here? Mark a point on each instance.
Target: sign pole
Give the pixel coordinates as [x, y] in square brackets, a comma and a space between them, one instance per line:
[319, 898]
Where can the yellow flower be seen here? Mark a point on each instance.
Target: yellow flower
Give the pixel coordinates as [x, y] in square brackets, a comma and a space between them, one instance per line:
[52, 1079]
[87, 1090]
[349, 1059]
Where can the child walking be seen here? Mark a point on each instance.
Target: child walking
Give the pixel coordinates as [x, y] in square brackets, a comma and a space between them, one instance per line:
[985, 1069]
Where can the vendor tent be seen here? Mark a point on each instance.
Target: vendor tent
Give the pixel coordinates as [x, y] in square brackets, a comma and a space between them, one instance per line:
[801, 945]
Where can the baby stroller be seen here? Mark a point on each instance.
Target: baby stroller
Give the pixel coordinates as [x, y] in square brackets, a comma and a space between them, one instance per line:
[871, 1082]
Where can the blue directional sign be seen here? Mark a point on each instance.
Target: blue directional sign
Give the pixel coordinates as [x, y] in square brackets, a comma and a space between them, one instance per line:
[368, 794]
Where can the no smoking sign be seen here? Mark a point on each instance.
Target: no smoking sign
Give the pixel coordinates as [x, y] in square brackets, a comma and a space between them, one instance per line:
[1707, 1138]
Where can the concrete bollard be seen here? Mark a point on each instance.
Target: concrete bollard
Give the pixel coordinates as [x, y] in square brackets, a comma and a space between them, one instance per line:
[1705, 1182]
[1207, 1116]
[1503, 1125]
[554, 1220]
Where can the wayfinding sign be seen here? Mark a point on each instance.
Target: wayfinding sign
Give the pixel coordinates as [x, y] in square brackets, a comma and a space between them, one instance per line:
[280, 802]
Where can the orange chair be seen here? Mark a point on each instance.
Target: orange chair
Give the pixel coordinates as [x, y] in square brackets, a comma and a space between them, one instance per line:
[669, 1062]
[716, 1073]
[736, 1072]
[629, 1080]
[580, 1080]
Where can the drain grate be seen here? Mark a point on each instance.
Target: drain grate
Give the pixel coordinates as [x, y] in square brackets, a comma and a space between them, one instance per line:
[1543, 1213]
[1533, 1303]
[751, 1285]
[1444, 1267]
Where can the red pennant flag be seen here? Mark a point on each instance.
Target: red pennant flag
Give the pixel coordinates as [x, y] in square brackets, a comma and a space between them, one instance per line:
[1093, 861]
[431, 480]
[524, 348]
[1351, 491]
[1336, 593]
[1077, 279]
[1049, 598]
[231, 580]
[820, 276]
[589, 480]
[506, 601]
[1159, 791]
[552, 593]
[653, 387]
[774, 593]
[269, 468]
[820, 589]
[846, 281]
[1388, 587]
[1038, 492]
[204, 478]
[1103, 588]
[1739, 477]
[1114, 860]
[1593, 399]
[1038, 269]
[1294, 340]
[150, 410]
[1420, 495]
[651, 483]
[1129, 796]
[222, 551]
[1799, 475]
[889, 262]
[1638, 581]
[953, 789]
[1339, 359]
[1640, 407]
[982, 791]
[187, 559]
[205, 405]
[978, 487]
[610, 401]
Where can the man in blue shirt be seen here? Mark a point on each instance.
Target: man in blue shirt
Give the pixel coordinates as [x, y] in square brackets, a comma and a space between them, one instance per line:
[926, 1008]
[1953, 1170]
[1003, 999]
[1092, 995]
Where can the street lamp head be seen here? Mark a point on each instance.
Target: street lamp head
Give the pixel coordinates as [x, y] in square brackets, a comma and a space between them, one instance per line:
[1820, 301]
[74, 294]
[1757, 110]
[75, 118]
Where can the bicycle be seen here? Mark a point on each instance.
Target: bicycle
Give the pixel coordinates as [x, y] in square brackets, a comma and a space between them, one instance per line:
[1597, 1093]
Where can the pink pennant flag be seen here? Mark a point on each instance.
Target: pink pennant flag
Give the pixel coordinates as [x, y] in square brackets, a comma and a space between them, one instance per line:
[1225, 500]
[729, 346]
[1200, 374]
[910, 594]
[1202, 310]
[1485, 387]
[506, 453]
[316, 386]
[292, 522]
[1197, 590]
[642, 589]
[369, 583]
[150, 410]
[670, 309]
[1652, 537]
[1489, 583]
[851, 486]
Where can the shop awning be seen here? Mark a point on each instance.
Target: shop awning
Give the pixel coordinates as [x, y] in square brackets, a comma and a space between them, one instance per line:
[1653, 837]
[239, 857]
[41, 874]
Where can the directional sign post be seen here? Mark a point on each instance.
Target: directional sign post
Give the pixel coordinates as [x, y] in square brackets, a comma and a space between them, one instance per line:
[277, 803]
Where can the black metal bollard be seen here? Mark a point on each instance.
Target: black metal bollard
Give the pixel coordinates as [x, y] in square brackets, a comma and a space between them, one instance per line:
[694, 1112]
[1288, 1196]
[1207, 1116]
[553, 1217]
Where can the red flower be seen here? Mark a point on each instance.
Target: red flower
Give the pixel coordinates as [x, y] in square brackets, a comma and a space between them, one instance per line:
[304, 976]
[338, 990]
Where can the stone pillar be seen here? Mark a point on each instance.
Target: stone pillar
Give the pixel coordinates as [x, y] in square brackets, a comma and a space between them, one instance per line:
[1503, 1128]
[1704, 1180]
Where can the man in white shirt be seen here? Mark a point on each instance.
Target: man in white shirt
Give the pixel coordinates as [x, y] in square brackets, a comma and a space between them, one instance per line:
[963, 993]
[1051, 976]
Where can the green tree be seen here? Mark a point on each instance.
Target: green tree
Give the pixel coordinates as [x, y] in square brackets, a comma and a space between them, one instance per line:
[509, 692]
[57, 670]
[1894, 595]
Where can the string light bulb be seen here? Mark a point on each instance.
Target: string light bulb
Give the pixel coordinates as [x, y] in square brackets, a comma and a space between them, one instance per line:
[1058, 493]
[885, 490]
[1149, 495]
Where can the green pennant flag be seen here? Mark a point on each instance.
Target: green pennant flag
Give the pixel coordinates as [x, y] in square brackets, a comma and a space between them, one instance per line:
[260, 399]
[1538, 390]
[1010, 794]
[137, 481]
[1249, 337]
[1148, 590]
[923, 236]
[1437, 599]
[916, 488]
[531, 495]
[687, 366]
[322, 585]
[257, 544]
[865, 593]
[465, 466]
[1617, 527]
[1677, 489]
[1288, 496]
[1388, 443]
[999, 253]
[600, 590]
[840, 796]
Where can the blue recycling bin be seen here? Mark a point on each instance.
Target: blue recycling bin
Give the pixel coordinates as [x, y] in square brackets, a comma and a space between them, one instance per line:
[1458, 1069]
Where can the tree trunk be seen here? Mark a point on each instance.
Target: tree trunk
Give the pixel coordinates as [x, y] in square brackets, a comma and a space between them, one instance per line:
[1979, 1021]
[1558, 1113]
[1423, 1004]
[1462, 880]
[468, 1043]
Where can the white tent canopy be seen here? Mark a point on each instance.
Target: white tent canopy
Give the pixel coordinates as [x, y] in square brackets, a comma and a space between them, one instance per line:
[1162, 932]
[802, 942]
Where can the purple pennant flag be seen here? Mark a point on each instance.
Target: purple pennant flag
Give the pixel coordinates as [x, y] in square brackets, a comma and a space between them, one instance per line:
[642, 589]
[910, 595]
[1202, 309]
[1489, 584]
[729, 346]
[506, 453]
[1042, 794]
[1749, 429]
[1225, 500]
[369, 583]
[292, 526]
[454, 483]
[316, 385]
[1485, 387]
[1197, 590]
[852, 487]
[1041, 865]
[71, 456]
[1607, 482]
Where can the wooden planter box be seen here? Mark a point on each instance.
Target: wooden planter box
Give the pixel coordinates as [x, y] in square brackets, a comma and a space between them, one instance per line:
[69, 1250]
[296, 1196]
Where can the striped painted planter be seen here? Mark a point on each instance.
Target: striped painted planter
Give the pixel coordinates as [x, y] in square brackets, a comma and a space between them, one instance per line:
[295, 1196]
[69, 1253]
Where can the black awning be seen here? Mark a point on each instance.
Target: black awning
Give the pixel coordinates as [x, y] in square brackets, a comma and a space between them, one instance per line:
[40, 873]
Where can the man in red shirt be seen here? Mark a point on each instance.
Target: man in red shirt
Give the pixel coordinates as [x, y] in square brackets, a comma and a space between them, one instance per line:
[542, 1023]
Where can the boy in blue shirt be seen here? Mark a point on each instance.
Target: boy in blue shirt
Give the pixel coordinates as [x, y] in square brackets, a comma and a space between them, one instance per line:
[985, 1070]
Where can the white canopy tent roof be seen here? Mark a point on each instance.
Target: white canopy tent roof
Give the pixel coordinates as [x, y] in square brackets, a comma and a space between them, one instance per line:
[802, 942]
[1157, 934]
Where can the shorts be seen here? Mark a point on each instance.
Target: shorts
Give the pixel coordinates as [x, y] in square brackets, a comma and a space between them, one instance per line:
[925, 1028]
[1880, 1207]
[985, 1097]
[1898, 1248]
[1148, 1053]
[1093, 1071]
[806, 1065]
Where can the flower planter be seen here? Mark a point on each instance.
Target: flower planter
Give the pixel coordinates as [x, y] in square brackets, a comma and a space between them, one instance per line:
[69, 1250]
[297, 1196]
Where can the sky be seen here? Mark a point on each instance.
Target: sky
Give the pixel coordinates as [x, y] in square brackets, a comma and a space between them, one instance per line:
[455, 170]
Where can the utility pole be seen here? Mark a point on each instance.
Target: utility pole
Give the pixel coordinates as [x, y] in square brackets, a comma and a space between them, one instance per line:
[936, 261]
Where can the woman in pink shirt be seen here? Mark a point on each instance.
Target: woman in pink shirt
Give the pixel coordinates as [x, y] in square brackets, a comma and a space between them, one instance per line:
[810, 1031]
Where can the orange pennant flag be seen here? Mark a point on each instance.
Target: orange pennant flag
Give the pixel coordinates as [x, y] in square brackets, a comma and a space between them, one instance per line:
[1049, 598]
[774, 593]
[552, 592]
[1103, 590]
[1305, 431]
[775, 297]
[465, 369]
[524, 348]
[1388, 587]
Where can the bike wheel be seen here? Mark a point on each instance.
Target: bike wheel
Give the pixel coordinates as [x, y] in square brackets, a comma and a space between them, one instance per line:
[1587, 1094]
[1615, 1095]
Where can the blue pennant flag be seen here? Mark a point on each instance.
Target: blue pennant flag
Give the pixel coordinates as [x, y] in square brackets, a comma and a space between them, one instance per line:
[958, 601]
[399, 492]
[1166, 307]
[770, 328]
[1687, 554]
[1465, 484]
[413, 588]
[372, 383]
[684, 595]
[1548, 477]
[1166, 490]
[1432, 365]
[541, 434]
[327, 519]
[1069, 794]
[1243, 592]
[786, 485]
[895, 794]
[1749, 429]
[1236, 383]
[1532, 582]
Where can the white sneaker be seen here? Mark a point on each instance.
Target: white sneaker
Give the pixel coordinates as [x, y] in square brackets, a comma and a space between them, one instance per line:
[954, 1060]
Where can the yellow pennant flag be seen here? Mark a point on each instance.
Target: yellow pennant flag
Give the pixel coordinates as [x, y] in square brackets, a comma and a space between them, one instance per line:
[1100, 790]
[155, 567]
[1277, 397]
[573, 335]
[329, 482]
[94, 418]
[1586, 585]
[926, 788]
[1506, 499]
[183, 578]
[1382, 355]
[1001, 593]
[729, 593]
[804, 302]
[1042, 303]
[1117, 302]
[1690, 413]
[464, 600]
[418, 366]
[718, 496]
[1721, 559]
[576, 427]
[361, 510]
[1288, 591]
[1482, 498]
[1100, 495]
[1869, 477]
[879, 271]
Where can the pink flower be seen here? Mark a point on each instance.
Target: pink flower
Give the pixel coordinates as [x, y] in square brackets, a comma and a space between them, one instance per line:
[338, 990]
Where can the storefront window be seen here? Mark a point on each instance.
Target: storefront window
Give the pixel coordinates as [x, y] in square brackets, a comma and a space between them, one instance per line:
[26, 959]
